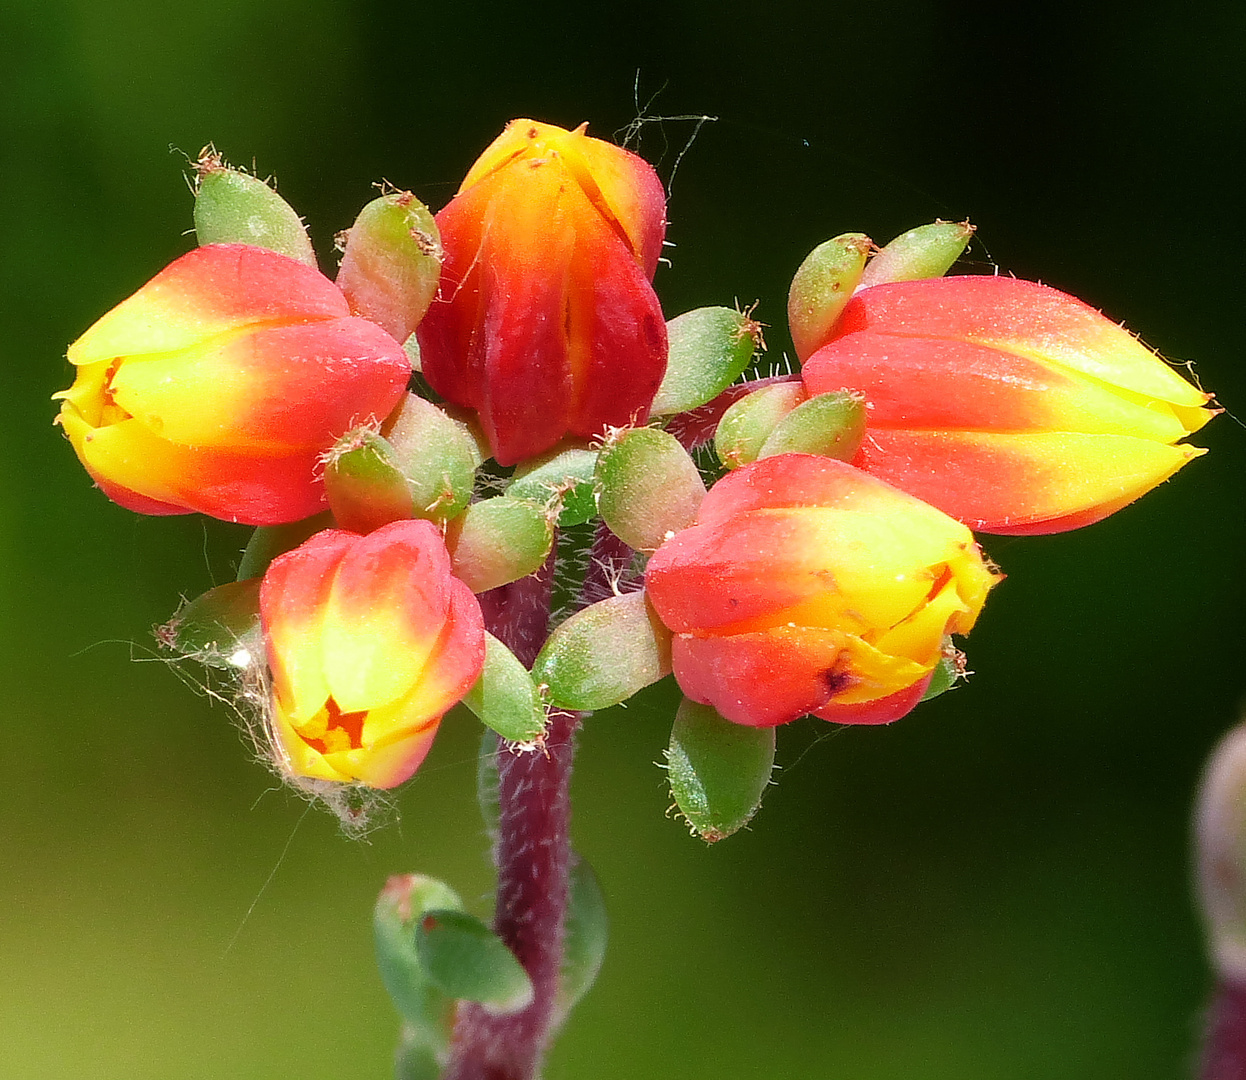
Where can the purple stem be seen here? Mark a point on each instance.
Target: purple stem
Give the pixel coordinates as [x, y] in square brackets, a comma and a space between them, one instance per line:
[1224, 1054]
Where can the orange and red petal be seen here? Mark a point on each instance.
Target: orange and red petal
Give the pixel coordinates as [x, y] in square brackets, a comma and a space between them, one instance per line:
[209, 291]
[282, 388]
[385, 614]
[880, 711]
[1022, 483]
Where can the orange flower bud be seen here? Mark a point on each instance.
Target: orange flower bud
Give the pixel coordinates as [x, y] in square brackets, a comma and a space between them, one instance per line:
[807, 586]
[370, 640]
[545, 322]
[1009, 405]
[217, 386]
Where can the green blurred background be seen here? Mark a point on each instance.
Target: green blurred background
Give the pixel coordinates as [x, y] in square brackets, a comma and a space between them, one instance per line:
[995, 887]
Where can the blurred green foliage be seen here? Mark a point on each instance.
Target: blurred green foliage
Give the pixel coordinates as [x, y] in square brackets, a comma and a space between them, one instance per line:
[995, 887]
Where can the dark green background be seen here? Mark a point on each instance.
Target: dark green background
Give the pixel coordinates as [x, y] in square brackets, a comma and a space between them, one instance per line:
[995, 887]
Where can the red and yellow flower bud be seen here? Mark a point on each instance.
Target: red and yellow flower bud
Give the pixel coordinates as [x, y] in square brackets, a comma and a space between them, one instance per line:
[1009, 405]
[216, 387]
[370, 640]
[808, 586]
[545, 321]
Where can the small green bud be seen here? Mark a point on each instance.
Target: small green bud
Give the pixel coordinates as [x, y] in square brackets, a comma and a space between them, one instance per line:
[505, 698]
[464, 959]
[604, 654]
[709, 348]
[648, 488]
[718, 770]
[234, 208]
[822, 288]
[562, 478]
[391, 263]
[436, 454]
[219, 629]
[925, 252]
[832, 425]
[749, 422]
[363, 485]
[497, 541]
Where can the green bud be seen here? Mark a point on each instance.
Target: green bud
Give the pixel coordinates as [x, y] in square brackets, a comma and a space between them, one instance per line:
[436, 454]
[709, 348]
[220, 629]
[822, 288]
[718, 770]
[464, 959]
[749, 422]
[648, 488]
[497, 541]
[563, 479]
[363, 485]
[424, 1009]
[925, 252]
[234, 208]
[832, 425]
[604, 654]
[269, 541]
[584, 943]
[391, 262]
[505, 698]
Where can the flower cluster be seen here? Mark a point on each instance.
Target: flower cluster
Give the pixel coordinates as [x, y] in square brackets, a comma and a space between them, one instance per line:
[824, 574]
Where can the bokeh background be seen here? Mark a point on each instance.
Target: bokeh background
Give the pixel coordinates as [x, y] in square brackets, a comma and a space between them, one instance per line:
[996, 887]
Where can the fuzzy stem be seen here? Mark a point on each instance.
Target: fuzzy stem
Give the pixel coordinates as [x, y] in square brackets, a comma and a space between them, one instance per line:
[531, 854]
[1224, 1054]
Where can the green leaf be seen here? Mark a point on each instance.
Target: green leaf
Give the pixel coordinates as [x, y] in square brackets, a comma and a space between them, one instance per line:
[925, 252]
[584, 944]
[647, 487]
[464, 959]
[415, 1059]
[399, 908]
[709, 348]
[234, 208]
[563, 478]
[832, 425]
[437, 456]
[718, 770]
[822, 288]
[219, 629]
[604, 654]
[505, 698]
[499, 540]
[749, 422]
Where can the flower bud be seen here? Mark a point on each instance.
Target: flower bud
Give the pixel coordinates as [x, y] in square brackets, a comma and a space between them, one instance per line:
[370, 641]
[925, 252]
[648, 487]
[709, 348]
[750, 421]
[545, 322]
[217, 386]
[822, 286]
[1011, 406]
[807, 586]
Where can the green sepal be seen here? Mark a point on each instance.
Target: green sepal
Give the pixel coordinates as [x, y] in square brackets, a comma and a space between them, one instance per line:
[391, 263]
[587, 930]
[232, 207]
[270, 541]
[561, 478]
[497, 541]
[363, 484]
[604, 654]
[464, 959]
[929, 251]
[718, 770]
[437, 455]
[219, 629]
[424, 1008]
[505, 698]
[648, 487]
[749, 422]
[709, 348]
[831, 424]
[822, 288]
[949, 670]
